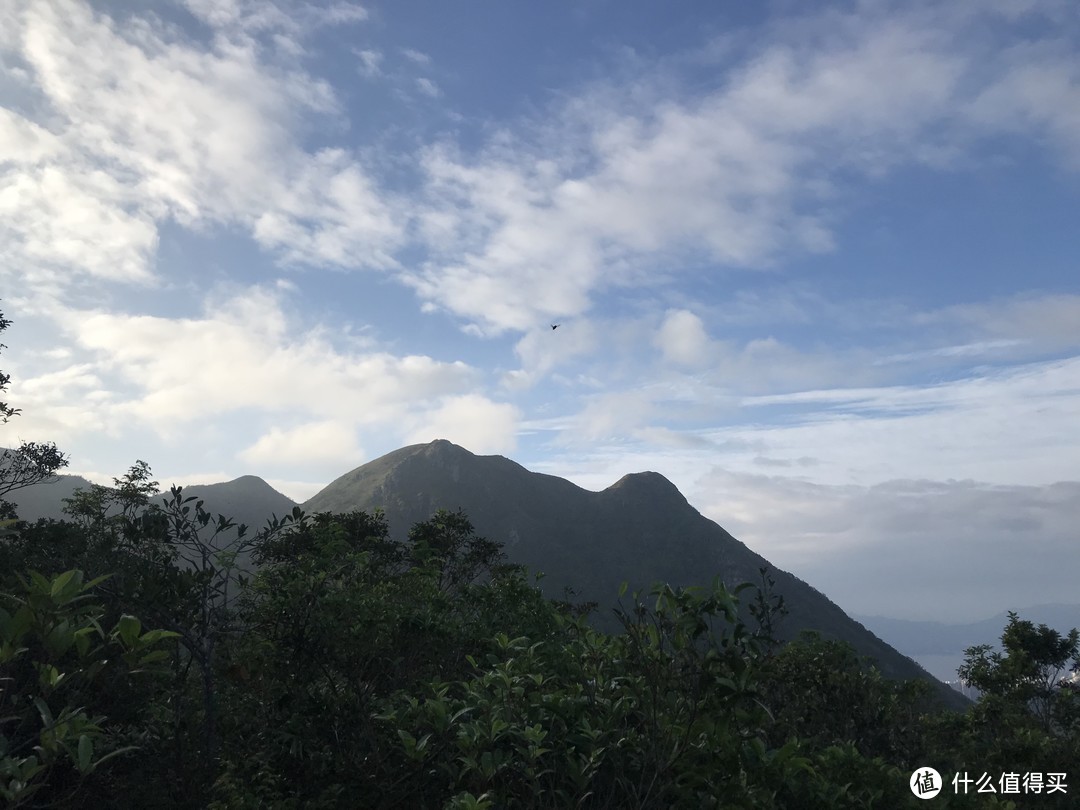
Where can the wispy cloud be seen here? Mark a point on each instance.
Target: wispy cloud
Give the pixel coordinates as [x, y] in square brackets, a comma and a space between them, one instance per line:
[614, 184]
[286, 22]
[323, 441]
[418, 57]
[245, 355]
[370, 62]
[682, 338]
[746, 173]
[428, 87]
[1047, 322]
[472, 420]
[981, 349]
[1000, 427]
[145, 126]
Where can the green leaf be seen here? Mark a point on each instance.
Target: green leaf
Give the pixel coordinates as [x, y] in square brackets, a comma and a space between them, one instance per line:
[86, 752]
[95, 582]
[154, 636]
[112, 754]
[129, 627]
[153, 657]
[60, 583]
[44, 711]
[82, 640]
[40, 584]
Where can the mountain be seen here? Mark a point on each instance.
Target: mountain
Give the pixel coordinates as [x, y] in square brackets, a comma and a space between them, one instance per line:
[940, 647]
[640, 530]
[46, 500]
[247, 499]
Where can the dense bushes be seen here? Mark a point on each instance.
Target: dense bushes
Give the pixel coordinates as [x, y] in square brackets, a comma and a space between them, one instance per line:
[61, 675]
[355, 671]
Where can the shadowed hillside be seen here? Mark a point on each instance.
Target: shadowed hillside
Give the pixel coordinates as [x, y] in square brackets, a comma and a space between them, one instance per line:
[247, 499]
[639, 530]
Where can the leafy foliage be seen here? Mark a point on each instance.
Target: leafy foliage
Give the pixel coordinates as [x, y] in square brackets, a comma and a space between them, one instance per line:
[1027, 719]
[53, 656]
[346, 669]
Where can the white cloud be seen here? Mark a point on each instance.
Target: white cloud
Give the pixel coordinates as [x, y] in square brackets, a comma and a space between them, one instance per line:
[55, 223]
[682, 338]
[144, 125]
[945, 550]
[370, 61]
[1005, 428]
[323, 441]
[24, 141]
[413, 55]
[1038, 89]
[60, 399]
[981, 348]
[333, 214]
[1040, 322]
[287, 22]
[472, 421]
[299, 491]
[611, 416]
[337, 13]
[428, 88]
[608, 186]
[201, 478]
[543, 349]
[246, 354]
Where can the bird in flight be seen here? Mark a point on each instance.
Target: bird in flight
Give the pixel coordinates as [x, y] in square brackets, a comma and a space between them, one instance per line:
[555, 326]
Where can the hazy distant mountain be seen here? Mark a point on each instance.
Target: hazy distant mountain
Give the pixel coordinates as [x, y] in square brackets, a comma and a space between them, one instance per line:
[640, 530]
[46, 500]
[247, 499]
[940, 647]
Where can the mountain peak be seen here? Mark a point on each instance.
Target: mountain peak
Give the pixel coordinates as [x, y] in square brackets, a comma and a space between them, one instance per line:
[639, 530]
[647, 484]
[444, 446]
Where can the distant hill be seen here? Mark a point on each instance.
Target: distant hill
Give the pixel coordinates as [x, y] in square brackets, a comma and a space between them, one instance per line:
[46, 500]
[247, 499]
[940, 647]
[639, 530]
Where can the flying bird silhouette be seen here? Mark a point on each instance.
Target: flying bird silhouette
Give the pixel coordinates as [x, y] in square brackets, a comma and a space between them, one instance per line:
[555, 326]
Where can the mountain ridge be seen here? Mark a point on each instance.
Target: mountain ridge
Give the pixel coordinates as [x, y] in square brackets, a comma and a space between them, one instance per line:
[640, 530]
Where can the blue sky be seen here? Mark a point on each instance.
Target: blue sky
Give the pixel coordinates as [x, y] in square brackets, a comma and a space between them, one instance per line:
[817, 264]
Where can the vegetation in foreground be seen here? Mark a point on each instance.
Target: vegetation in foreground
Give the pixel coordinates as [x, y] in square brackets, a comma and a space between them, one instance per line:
[354, 671]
